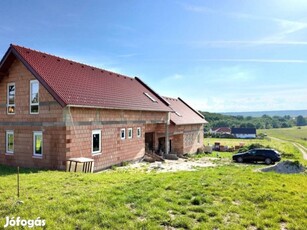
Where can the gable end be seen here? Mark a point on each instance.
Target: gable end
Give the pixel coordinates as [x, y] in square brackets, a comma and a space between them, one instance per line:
[37, 76]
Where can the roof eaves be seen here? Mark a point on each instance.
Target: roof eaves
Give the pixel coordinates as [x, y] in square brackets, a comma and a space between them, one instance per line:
[8, 57]
[4, 58]
[37, 76]
[191, 123]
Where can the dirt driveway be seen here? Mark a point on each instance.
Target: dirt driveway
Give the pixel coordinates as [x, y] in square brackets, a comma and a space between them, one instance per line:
[174, 165]
[300, 147]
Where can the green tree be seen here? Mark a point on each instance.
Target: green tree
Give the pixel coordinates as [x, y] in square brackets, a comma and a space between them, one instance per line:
[300, 121]
[264, 122]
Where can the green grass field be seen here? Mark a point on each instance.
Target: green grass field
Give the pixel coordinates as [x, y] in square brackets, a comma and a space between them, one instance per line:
[229, 196]
[224, 197]
[293, 134]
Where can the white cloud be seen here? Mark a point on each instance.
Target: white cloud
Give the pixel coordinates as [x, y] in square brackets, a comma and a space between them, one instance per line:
[198, 9]
[242, 103]
[286, 28]
[230, 75]
[176, 77]
[283, 29]
[278, 97]
[289, 27]
[259, 60]
[245, 43]
[293, 6]
[128, 55]
[233, 89]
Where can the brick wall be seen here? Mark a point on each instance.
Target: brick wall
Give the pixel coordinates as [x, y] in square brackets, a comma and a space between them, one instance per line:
[184, 138]
[177, 144]
[114, 150]
[24, 124]
[193, 138]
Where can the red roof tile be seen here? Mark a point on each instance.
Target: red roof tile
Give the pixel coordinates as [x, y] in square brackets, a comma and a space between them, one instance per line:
[183, 114]
[77, 84]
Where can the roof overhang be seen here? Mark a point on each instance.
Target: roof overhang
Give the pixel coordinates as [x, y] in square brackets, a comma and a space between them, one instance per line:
[6, 61]
[205, 122]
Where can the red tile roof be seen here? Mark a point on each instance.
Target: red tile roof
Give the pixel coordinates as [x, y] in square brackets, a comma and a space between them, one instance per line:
[77, 84]
[184, 114]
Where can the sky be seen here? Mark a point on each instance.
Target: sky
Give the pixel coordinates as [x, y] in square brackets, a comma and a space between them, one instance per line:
[219, 56]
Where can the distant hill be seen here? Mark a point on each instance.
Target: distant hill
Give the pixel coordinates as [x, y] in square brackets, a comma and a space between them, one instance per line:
[292, 113]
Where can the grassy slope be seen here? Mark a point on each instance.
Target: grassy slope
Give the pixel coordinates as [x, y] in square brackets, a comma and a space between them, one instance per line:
[226, 197]
[292, 134]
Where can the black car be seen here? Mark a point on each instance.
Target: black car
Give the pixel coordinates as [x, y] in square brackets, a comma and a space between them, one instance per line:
[254, 155]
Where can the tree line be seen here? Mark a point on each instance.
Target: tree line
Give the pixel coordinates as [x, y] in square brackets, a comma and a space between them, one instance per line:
[264, 122]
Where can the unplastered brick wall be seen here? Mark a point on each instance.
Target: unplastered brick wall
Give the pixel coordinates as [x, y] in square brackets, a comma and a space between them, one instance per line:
[49, 121]
[49, 109]
[177, 144]
[78, 114]
[158, 131]
[81, 122]
[193, 138]
[184, 138]
[53, 148]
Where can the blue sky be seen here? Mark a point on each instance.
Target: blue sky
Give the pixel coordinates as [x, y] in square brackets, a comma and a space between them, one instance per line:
[220, 56]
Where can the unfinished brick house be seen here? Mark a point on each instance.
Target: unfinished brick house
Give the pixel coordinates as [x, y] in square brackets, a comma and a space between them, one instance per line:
[186, 128]
[53, 109]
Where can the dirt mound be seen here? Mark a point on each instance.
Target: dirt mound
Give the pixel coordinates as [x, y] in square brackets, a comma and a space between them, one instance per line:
[286, 167]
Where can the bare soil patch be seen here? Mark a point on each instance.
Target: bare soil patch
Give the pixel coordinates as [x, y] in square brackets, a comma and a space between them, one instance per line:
[173, 165]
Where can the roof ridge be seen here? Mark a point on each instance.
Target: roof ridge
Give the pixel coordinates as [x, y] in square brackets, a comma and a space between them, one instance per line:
[72, 61]
[198, 113]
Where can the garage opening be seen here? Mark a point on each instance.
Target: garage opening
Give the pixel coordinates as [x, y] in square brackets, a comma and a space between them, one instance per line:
[149, 141]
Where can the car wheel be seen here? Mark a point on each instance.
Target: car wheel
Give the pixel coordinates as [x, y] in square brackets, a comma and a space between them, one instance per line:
[267, 161]
[240, 160]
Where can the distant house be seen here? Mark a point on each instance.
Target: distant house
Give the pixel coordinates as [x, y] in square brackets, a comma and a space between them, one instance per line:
[243, 133]
[53, 110]
[220, 130]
